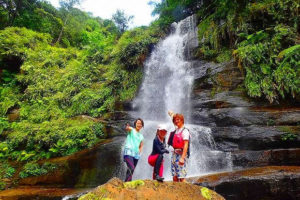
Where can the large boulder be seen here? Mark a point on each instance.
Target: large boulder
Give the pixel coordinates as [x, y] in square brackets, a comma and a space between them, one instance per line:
[145, 189]
[85, 169]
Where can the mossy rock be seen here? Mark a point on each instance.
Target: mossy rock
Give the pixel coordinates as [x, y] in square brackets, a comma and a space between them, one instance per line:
[90, 196]
[206, 193]
[133, 184]
[149, 189]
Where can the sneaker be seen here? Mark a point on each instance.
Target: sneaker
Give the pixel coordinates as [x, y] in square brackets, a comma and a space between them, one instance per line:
[158, 178]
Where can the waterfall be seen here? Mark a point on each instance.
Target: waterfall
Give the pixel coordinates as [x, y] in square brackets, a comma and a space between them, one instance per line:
[168, 77]
[167, 85]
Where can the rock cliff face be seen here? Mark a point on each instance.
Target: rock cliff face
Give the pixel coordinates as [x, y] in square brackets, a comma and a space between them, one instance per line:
[241, 124]
[255, 132]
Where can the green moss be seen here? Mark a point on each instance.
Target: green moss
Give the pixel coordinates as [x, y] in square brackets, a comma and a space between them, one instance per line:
[100, 194]
[271, 122]
[90, 196]
[288, 137]
[206, 193]
[290, 132]
[290, 129]
[134, 184]
[156, 184]
[213, 92]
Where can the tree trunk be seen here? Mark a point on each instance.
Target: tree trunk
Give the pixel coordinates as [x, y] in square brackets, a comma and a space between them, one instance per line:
[60, 33]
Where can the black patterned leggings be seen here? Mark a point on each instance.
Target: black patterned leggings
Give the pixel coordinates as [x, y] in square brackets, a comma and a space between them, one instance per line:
[131, 163]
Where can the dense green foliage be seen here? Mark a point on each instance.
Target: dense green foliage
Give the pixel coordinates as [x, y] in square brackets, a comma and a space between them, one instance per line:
[60, 71]
[6, 171]
[57, 84]
[264, 39]
[34, 169]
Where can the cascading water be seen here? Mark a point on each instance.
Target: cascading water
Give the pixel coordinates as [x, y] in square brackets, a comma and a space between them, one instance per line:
[167, 85]
[168, 80]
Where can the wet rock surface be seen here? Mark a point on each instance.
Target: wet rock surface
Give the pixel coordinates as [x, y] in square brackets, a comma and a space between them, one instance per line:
[270, 183]
[255, 137]
[85, 169]
[254, 132]
[247, 159]
[238, 122]
[145, 189]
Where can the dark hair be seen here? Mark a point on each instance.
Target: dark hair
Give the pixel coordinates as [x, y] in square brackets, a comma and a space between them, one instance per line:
[180, 116]
[134, 123]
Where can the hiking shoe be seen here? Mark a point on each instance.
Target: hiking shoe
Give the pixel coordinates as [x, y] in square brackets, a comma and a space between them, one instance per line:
[158, 178]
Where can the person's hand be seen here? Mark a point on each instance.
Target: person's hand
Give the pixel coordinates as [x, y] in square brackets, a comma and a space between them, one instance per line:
[170, 113]
[127, 127]
[181, 161]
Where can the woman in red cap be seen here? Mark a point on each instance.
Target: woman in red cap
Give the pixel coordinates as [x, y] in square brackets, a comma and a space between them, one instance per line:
[159, 148]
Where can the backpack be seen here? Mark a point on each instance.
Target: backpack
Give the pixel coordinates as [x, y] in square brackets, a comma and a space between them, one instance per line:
[171, 137]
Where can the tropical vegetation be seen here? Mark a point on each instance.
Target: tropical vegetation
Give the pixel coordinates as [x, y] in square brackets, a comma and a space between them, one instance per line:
[59, 65]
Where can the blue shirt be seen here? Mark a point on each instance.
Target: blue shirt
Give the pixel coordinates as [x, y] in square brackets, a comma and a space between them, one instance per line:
[132, 143]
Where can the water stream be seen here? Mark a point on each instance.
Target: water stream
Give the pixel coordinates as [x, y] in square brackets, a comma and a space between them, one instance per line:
[167, 85]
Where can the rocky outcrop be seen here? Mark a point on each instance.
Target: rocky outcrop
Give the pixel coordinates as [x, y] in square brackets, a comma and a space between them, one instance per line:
[146, 189]
[254, 133]
[273, 182]
[87, 168]
[242, 125]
